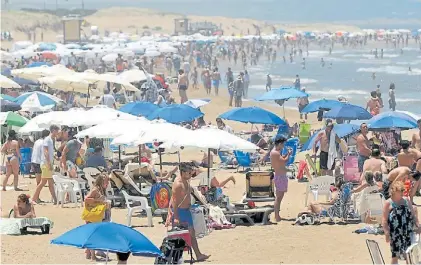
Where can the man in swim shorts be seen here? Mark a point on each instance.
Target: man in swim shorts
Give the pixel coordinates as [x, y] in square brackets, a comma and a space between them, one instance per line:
[324, 139]
[181, 204]
[278, 162]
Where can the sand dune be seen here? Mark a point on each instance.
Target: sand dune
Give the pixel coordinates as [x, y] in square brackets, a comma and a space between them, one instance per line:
[130, 19]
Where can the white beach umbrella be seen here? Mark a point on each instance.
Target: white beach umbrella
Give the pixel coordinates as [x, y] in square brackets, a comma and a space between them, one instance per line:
[100, 114]
[70, 83]
[133, 75]
[37, 72]
[8, 83]
[37, 101]
[197, 103]
[152, 53]
[209, 137]
[111, 57]
[167, 49]
[69, 118]
[114, 128]
[100, 79]
[156, 131]
[6, 56]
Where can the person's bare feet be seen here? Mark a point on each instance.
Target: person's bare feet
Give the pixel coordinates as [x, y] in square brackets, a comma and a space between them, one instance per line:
[17, 189]
[278, 219]
[202, 257]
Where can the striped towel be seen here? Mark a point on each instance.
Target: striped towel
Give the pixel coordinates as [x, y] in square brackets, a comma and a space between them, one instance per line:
[34, 222]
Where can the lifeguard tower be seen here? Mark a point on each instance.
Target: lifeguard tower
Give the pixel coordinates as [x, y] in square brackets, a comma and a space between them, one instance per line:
[72, 28]
[181, 26]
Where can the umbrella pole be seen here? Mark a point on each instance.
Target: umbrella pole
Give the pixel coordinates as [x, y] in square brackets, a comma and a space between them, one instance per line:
[140, 152]
[119, 157]
[209, 165]
[87, 98]
[283, 107]
[160, 160]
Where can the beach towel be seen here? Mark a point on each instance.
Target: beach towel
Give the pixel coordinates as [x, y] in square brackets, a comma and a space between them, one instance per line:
[333, 153]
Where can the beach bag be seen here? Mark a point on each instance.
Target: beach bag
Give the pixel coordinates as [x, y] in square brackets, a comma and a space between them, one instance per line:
[94, 214]
[172, 250]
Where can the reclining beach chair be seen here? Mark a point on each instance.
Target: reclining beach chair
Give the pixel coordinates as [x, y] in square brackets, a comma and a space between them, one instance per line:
[16, 226]
[244, 160]
[304, 132]
[313, 166]
[225, 160]
[413, 254]
[259, 186]
[375, 253]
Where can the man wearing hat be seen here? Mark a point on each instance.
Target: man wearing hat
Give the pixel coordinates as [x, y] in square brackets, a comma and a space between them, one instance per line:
[239, 90]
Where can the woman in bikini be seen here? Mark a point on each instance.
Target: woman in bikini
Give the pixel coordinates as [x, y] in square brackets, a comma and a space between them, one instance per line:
[10, 150]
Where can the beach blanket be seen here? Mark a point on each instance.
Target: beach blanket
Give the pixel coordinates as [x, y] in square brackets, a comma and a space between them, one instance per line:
[12, 226]
[333, 153]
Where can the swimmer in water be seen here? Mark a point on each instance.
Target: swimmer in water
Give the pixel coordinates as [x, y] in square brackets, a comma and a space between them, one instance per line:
[373, 76]
[410, 69]
[330, 66]
[322, 62]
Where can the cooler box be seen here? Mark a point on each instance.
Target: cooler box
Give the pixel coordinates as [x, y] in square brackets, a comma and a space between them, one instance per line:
[183, 234]
[25, 164]
[351, 173]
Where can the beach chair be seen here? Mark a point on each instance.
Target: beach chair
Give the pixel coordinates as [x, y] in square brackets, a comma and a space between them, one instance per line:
[90, 172]
[313, 166]
[290, 165]
[413, 254]
[225, 161]
[259, 186]
[351, 172]
[304, 132]
[320, 186]
[137, 203]
[375, 206]
[66, 186]
[375, 253]
[244, 160]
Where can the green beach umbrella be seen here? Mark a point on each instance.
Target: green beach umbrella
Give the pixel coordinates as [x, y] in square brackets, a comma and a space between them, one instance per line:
[7, 97]
[13, 119]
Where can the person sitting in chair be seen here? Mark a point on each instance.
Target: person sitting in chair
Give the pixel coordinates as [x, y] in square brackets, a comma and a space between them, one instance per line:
[23, 208]
[96, 159]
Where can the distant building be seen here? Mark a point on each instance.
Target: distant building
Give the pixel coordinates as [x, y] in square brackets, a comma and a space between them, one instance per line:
[182, 26]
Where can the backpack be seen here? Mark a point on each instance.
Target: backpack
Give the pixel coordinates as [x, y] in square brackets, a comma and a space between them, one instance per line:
[172, 250]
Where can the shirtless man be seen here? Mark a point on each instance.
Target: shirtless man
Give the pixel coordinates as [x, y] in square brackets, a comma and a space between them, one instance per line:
[401, 174]
[324, 138]
[416, 137]
[363, 148]
[182, 85]
[408, 156]
[374, 163]
[181, 204]
[281, 180]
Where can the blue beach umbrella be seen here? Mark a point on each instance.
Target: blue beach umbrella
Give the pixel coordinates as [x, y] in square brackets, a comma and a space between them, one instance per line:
[176, 113]
[45, 46]
[348, 112]
[23, 81]
[137, 108]
[325, 104]
[7, 97]
[283, 93]
[342, 130]
[108, 236]
[36, 100]
[38, 64]
[254, 115]
[392, 120]
[7, 105]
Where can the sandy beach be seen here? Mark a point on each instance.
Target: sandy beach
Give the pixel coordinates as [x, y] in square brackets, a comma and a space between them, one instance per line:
[278, 243]
[283, 242]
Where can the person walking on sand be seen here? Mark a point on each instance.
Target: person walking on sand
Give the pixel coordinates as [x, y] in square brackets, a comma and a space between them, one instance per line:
[268, 82]
[193, 77]
[302, 103]
[182, 86]
[47, 165]
[238, 90]
[216, 79]
[180, 204]
[246, 79]
[280, 180]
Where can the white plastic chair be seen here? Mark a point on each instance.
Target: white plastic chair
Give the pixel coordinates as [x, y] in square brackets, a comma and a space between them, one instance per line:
[320, 186]
[89, 172]
[375, 203]
[130, 200]
[63, 187]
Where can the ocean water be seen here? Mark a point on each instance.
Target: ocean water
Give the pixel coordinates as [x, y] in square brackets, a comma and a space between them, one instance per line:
[350, 76]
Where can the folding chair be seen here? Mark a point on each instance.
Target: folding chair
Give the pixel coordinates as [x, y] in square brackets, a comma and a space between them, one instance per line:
[413, 254]
[259, 186]
[375, 253]
[244, 160]
[312, 165]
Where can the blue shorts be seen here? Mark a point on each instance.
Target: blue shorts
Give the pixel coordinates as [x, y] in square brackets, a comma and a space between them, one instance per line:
[185, 217]
[361, 160]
